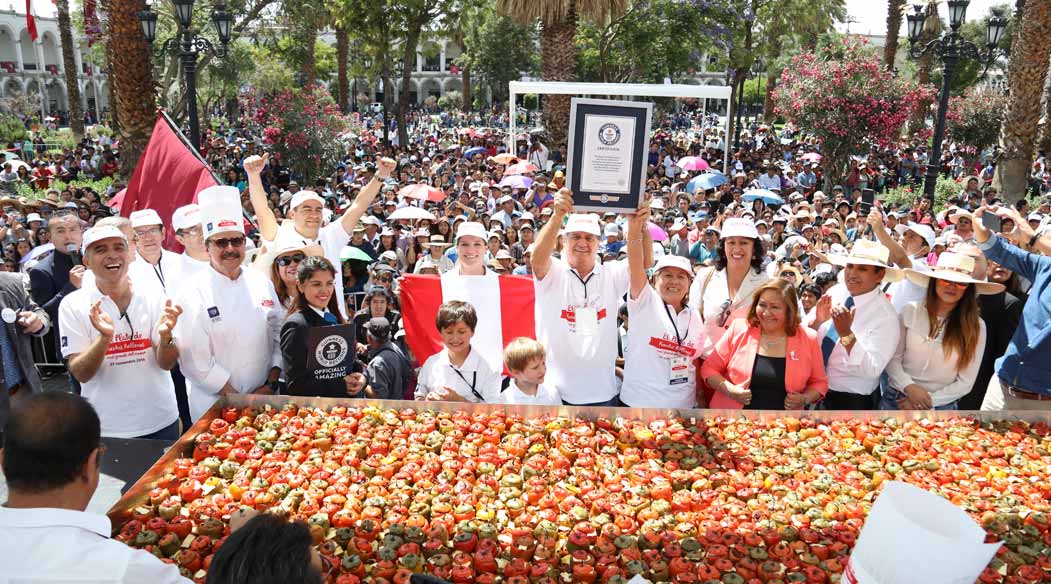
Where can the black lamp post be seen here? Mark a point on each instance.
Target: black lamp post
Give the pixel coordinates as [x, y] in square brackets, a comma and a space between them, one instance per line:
[951, 47]
[188, 45]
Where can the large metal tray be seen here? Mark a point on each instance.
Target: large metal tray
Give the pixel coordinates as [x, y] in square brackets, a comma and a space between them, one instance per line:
[137, 494]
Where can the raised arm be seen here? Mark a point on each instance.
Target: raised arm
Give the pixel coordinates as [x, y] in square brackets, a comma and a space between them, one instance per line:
[545, 242]
[363, 201]
[897, 252]
[264, 216]
[637, 262]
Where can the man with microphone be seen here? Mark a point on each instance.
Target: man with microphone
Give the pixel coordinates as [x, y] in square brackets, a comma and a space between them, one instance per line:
[60, 273]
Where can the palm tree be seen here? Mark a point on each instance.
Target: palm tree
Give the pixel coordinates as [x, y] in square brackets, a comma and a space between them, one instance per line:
[69, 63]
[132, 79]
[890, 48]
[1026, 76]
[558, 53]
[342, 79]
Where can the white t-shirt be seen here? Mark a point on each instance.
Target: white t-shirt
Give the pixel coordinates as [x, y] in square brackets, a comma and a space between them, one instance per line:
[716, 298]
[658, 345]
[332, 238]
[437, 372]
[131, 393]
[545, 396]
[581, 362]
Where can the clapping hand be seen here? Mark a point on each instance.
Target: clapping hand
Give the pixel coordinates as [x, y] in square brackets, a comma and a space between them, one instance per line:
[842, 319]
[738, 393]
[168, 320]
[100, 320]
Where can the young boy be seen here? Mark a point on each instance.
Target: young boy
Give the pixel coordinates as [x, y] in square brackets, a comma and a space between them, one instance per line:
[457, 373]
[524, 358]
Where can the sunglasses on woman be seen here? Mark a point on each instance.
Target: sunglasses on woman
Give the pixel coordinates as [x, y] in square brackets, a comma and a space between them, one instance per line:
[291, 259]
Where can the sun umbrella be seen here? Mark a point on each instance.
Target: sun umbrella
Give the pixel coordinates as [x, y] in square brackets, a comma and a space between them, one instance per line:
[705, 181]
[656, 232]
[411, 213]
[520, 168]
[505, 158]
[516, 181]
[692, 163]
[768, 197]
[475, 151]
[423, 192]
[353, 253]
[812, 157]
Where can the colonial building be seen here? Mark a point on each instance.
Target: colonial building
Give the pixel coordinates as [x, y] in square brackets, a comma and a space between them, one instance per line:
[35, 69]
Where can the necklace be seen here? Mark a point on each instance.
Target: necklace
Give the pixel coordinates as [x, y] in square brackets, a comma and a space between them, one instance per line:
[773, 342]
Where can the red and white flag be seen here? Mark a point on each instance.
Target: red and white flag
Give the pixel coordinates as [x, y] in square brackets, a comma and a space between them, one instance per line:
[30, 20]
[504, 305]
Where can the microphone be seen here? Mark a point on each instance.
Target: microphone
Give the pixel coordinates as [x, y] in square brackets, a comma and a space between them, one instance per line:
[73, 251]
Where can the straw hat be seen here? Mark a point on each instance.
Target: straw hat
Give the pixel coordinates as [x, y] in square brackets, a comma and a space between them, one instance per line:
[868, 253]
[981, 183]
[436, 241]
[954, 267]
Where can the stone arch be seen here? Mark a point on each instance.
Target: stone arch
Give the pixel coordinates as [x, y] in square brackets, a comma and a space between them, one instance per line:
[13, 86]
[8, 41]
[29, 59]
[57, 97]
[427, 88]
[50, 48]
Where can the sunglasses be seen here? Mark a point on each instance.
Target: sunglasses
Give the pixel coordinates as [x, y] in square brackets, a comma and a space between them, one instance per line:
[724, 313]
[288, 260]
[225, 242]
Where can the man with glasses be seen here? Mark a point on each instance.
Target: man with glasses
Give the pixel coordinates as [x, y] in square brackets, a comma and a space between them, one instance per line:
[60, 273]
[228, 337]
[155, 264]
[186, 221]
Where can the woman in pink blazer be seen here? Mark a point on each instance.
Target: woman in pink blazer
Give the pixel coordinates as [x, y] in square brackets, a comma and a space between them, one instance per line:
[767, 361]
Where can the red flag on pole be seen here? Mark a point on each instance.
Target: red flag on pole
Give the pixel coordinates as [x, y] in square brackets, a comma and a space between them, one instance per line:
[30, 21]
[169, 175]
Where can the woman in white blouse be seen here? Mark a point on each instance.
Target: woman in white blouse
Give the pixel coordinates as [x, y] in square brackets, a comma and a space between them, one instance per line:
[942, 339]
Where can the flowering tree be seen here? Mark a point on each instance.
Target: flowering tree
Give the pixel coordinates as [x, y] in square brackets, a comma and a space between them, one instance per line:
[301, 128]
[974, 118]
[842, 95]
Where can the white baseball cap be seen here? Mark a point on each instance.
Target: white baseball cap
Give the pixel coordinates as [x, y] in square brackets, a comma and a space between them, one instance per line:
[674, 261]
[144, 217]
[303, 196]
[921, 229]
[471, 229]
[657, 203]
[611, 230]
[583, 222]
[96, 234]
[186, 216]
[739, 227]
[34, 217]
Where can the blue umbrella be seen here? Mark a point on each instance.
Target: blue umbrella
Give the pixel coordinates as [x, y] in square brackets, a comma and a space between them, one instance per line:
[472, 152]
[708, 180]
[768, 197]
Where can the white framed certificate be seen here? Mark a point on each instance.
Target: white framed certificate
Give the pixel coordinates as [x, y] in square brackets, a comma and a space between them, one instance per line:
[608, 146]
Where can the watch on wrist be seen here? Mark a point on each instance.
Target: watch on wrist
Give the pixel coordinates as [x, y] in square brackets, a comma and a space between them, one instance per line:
[847, 339]
[1034, 239]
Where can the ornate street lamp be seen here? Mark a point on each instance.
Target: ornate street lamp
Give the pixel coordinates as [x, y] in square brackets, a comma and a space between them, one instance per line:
[951, 48]
[188, 45]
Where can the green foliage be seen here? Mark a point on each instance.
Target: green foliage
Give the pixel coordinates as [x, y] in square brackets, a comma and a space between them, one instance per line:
[499, 50]
[269, 74]
[975, 117]
[906, 195]
[100, 186]
[531, 101]
[11, 128]
[970, 72]
[451, 100]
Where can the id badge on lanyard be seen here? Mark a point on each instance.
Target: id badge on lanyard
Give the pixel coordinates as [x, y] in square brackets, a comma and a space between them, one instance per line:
[680, 371]
[585, 317]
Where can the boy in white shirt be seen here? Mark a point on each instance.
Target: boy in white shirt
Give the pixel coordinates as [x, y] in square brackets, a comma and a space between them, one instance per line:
[458, 372]
[525, 360]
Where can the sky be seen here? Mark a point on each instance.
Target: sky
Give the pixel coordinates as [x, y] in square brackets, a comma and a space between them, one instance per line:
[871, 16]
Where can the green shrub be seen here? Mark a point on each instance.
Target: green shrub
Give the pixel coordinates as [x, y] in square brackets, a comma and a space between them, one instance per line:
[906, 195]
[11, 129]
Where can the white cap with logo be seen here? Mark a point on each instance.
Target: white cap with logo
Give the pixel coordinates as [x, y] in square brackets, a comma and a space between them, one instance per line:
[583, 222]
[96, 234]
[186, 217]
[145, 217]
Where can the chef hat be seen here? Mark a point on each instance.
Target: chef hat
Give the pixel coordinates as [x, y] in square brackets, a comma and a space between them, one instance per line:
[220, 210]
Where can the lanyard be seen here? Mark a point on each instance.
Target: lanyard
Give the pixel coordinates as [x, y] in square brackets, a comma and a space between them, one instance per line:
[675, 327]
[583, 282]
[471, 384]
[159, 270]
[124, 315]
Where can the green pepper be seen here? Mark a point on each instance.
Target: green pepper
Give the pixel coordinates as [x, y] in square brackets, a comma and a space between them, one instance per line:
[146, 537]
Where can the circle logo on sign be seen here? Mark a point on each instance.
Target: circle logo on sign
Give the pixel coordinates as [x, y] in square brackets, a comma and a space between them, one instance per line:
[609, 134]
[604, 198]
[331, 351]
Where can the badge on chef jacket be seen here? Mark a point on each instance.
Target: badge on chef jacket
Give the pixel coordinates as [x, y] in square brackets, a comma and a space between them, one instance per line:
[213, 313]
[586, 318]
[680, 371]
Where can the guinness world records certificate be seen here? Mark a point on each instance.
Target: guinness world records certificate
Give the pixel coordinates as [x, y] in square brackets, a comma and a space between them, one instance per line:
[608, 148]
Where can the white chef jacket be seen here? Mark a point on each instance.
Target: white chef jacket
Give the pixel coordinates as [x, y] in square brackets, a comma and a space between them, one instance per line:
[46, 545]
[580, 366]
[876, 330]
[921, 360]
[229, 331]
[332, 238]
[172, 273]
[716, 293]
[131, 393]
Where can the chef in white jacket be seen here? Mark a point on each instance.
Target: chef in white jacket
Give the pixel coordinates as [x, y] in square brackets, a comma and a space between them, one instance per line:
[229, 332]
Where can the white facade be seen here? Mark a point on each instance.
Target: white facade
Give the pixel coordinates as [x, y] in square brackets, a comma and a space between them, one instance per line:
[36, 68]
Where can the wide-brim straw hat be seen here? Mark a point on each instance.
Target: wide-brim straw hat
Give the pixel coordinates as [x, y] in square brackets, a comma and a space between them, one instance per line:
[954, 267]
[868, 253]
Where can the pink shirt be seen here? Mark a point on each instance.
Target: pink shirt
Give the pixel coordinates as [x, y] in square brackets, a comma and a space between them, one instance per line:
[734, 357]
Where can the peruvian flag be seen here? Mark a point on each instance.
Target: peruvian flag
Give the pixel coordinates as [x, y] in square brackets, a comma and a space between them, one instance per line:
[30, 20]
[504, 305]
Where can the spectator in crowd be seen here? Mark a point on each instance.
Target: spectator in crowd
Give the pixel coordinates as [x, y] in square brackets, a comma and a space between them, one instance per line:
[767, 361]
[458, 372]
[228, 338]
[435, 255]
[52, 453]
[22, 318]
[119, 343]
[59, 273]
[661, 372]
[942, 339]
[389, 370]
[166, 266]
[470, 249]
[377, 303]
[315, 306]
[268, 550]
[858, 327]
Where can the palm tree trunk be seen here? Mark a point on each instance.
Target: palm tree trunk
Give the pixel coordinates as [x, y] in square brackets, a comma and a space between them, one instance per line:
[1027, 74]
[890, 49]
[309, 40]
[132, 80]
[465, 79]
[69, 63]
[408, 62]
[343, 81]
[768, 97]
[559, 58]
